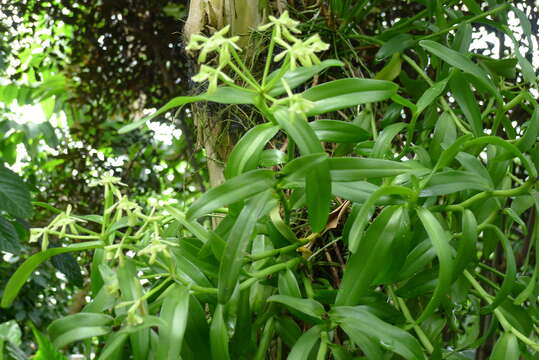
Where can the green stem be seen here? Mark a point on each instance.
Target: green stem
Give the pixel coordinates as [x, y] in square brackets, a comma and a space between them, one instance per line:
[244, 73]
[269, 56]
[268, 271]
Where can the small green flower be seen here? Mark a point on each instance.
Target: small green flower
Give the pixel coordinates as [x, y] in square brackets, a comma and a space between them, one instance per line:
[283, 25]
[303, 51]
[156, 246]
[216, 42]
[296, 103]
[107, 180]
[212, 76]
[133, 319]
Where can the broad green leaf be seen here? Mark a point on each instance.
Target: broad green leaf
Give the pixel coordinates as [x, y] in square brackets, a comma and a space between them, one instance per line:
[288, 330]
[392, 338]
[80, 333]
[510, 272]
[288, 285]
[305, 344]
[237, 240]
[452, 181]
[318, 195]
[9, 239]
[131, 290]
[506, 348]
[473, 6]
[219, 335]
[297, 169]
[338, 131]
[440, 242]
[466, 251]
[354, 169]
[431, 94]
[461, 91]
[370, 259]
[396, 44]
[298, 76]
[391, 70]
[529, 138]
[24, 271]
[344, 93]
[356, 191]
[459, 61]
[383, 143]
[417, 259]
[272, 157]
[14, 195]
[231, 191]
[299, 130]
[46, 350]
[281, 226]
[68, 323]
[223, 95]
[246, 154]
[502, 67]
[307, 306]
[174, 313]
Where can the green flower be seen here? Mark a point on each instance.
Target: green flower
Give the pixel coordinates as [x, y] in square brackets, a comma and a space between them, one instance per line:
[107, 180]
[211, 75]
[216, 42]
[283, 25]
[296, 103]
[303, 51]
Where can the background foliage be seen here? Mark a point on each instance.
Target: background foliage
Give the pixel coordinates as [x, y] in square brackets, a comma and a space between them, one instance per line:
[102, 65]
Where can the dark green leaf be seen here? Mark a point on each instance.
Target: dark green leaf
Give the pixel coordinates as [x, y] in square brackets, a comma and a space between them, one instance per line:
[338, 131]
[307, 306]
[14, 195]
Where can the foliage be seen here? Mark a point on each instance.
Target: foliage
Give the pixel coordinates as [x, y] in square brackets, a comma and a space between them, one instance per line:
[351, 237]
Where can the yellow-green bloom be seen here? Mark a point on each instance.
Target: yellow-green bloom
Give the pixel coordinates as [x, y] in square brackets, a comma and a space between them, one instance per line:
[284, 25]
[211, 75]
[303, 51]
[217, 42]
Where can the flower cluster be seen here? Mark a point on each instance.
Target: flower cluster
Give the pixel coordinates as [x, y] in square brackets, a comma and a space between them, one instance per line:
[59, 226]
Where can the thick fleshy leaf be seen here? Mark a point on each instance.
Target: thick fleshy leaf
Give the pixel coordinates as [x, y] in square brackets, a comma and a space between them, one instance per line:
[506, 348]
[305, 344]
[344, 93]
[394, 45]
[307, 306]
[431, 94]
[460, 61]
[338, 131]
[440, 242]
[318, 195]
[299, 130]
[223, 95]
[356, 191]
[68, 323]
[452, 181]
[288, 285]
[237, 240]
[246, 154]
[370, 258]
[174, 313]
[219, 335]
[231, 191]
[461, 91]
[354, 169]
[24, 271]
[14, 195]
[466, 251]
[392, 338]
[529, 138]
[383, 142]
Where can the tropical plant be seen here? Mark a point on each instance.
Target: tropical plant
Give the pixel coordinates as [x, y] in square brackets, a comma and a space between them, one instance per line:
[366, 237]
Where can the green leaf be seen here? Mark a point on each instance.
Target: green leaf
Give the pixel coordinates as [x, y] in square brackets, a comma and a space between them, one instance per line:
[288, 285]
[396, 44]
[318, 195]
[344, 93]
[80, 333]
[299, 130]
[370, 258]
[356, 191]
[461, 91]
[431, 94]
[237, 240]
[354, 169]
[46, 350]
[305, 344]
[502, 67]
[359, 319]
[383, 142]
[24, 271]
[307, 306]
[219, 335]
[223, 95]
[529, 138]
[174, 313]
[391, 70]
[9, 239]
[298, 76]
[10, 331]
[297, 169]
[246, 154]
[231, 191]
[460, 61]
[466, 251]
[71, 322]
[272, 157]
[506, 348]
[440, 242]
[14, 195]
[338, 131]
[452, 181]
